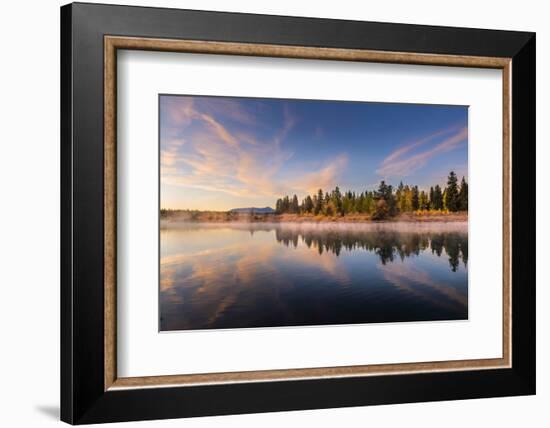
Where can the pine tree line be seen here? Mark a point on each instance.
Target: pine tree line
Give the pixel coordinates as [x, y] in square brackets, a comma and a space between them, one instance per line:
[381, 203]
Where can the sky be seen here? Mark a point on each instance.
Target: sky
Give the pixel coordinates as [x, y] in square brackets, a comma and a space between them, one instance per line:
[218, 153]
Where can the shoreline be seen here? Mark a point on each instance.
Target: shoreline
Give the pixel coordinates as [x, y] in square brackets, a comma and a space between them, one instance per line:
[227, 217]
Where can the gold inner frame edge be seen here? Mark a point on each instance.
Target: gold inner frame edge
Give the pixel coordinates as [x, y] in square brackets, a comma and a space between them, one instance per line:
[113, 43]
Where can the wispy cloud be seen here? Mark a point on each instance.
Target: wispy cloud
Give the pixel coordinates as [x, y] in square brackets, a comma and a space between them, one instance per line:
[230, 159]
[289, 122]
[413, 280]
[229, 108]
[325, 178]
[243, 151]
[408, 159]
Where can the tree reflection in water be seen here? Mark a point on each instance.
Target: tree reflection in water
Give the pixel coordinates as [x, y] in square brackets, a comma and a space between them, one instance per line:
[243, 275]
[386, 244]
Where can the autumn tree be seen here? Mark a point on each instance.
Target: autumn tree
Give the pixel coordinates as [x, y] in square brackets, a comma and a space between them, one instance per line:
[399, 196]
[368, 203]
[405, 198]
[381, 211]
[330, 208]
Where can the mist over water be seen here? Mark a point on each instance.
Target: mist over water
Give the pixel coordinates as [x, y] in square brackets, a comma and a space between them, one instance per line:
[238, 275]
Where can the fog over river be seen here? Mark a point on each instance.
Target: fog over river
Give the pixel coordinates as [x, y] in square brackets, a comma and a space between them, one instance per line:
[237, 275]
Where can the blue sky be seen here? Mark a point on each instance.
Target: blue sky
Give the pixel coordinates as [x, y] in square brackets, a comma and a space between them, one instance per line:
[219, 153]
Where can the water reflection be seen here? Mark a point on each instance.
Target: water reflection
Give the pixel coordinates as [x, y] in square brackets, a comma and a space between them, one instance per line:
[386, 244]
[267, 275]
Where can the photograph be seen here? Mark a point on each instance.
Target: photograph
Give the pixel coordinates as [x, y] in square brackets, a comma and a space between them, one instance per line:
[289, 212]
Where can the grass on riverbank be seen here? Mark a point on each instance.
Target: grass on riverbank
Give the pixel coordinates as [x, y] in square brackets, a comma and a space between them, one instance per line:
[226, 216]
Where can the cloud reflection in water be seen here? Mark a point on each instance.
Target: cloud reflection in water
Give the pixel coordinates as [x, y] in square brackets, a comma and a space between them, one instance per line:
[269, 275]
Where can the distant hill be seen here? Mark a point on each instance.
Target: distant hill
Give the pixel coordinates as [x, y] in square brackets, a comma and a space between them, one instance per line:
[249, 210]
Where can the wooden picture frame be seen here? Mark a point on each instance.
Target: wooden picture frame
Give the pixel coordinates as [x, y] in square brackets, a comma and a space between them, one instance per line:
[91, 390]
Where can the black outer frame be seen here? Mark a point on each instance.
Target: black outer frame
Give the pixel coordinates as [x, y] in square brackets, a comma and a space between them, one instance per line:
[83, 399]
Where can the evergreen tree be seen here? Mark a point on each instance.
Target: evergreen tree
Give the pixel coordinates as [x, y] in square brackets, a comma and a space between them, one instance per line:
[360, 203]
[382, 190]
[308, 204]
[347, 203]
[390, 199]
[437, 198]
[279, 206]
[385, 192]
[355, 203]
[318, 208]
[463, 195]
[286, 204]
[337, 199]
[452, 201]
[424, 202]
[294, 208]
[405, 198]
[328, 200]
[415, 198]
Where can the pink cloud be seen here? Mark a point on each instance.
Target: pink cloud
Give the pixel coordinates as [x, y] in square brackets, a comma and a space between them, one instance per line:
[237, 163]
[325, 178]
[401, 162]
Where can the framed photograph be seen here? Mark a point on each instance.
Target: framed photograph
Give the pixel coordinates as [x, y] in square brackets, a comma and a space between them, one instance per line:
[266, 213]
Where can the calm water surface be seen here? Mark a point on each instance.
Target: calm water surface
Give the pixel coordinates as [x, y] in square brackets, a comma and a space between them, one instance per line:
[216, 276]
